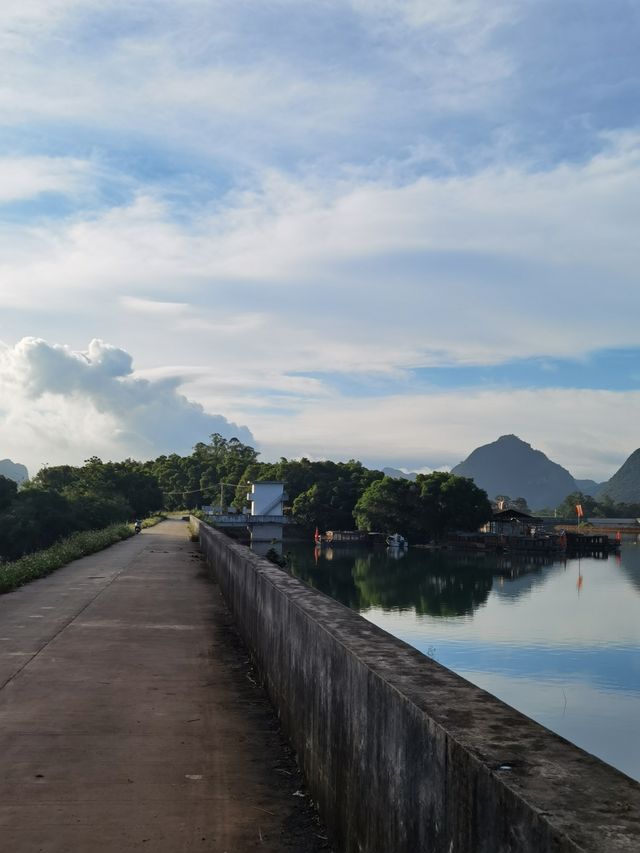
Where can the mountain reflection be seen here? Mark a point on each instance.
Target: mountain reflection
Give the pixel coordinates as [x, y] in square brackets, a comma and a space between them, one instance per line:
[630, 565]
[433, 583]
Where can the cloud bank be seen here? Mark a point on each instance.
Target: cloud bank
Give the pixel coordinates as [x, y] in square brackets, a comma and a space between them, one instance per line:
[65, 406]
[287, 210]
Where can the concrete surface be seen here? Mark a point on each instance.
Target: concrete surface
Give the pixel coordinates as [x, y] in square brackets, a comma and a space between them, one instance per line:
[401, 754]
[130, 718]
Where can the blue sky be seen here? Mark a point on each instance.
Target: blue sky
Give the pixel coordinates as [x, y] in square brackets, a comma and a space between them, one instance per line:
[388, 229]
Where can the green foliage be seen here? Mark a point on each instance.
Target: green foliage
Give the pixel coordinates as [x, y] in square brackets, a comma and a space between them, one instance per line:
[590, 507]
[35, 520]
[152, 520]
[211, 470]
[449, 503]
[436, 504]
[322, 493]
[41, 563]
[519, 504]
[604, 507]
[389, 505]
[8, 492]
[330, 501]
[277, 559]
[64, 499]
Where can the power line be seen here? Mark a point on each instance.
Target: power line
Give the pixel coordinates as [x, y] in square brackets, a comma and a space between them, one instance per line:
[193, 491]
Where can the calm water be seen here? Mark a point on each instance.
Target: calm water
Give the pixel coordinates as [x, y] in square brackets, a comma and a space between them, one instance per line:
[559, 641]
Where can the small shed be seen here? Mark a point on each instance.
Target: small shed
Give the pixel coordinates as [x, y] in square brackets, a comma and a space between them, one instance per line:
[512, 522]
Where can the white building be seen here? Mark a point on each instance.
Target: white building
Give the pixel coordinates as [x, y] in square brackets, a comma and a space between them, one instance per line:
[267, 498]
[267, 502]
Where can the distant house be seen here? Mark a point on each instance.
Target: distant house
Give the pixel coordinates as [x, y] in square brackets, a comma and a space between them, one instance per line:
[511, 522]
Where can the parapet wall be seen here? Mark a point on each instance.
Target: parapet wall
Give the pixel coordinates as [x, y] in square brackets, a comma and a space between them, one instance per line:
[402, 755]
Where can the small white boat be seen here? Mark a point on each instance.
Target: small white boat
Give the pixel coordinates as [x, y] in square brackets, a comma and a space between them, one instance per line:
[397, 540]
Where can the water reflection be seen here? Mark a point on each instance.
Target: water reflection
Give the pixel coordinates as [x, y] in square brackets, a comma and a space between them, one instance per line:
[558, 640]
[435, 583]
[630, 565]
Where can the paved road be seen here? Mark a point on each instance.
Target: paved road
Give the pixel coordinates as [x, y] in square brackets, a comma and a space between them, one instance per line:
[129, 719]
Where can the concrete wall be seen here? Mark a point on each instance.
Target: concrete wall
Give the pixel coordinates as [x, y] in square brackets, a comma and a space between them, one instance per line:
[402, 755]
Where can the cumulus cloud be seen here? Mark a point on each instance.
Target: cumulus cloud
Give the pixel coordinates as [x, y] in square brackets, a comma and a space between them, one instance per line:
[68, 405]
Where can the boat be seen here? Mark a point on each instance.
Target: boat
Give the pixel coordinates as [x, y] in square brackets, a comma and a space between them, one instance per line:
[341, 537]
[397, 540]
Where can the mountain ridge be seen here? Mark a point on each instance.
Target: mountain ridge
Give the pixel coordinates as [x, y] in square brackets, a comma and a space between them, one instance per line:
[13, 471]
[624, 486]
[511, 466]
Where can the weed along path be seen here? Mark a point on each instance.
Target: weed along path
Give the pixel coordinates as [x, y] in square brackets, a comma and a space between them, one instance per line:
[129, 718]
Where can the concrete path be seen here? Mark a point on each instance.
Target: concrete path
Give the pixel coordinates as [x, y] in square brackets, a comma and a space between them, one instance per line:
[129, 719]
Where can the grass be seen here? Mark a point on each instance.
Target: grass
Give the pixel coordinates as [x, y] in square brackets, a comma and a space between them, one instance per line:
[194, 535]
[152, 520]
[41, 563]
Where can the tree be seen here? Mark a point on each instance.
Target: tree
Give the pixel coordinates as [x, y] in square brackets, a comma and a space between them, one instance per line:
[436, 504]
[590, 508]
[55, 478]
[8, 492]
[519, 504]
[35, 520]
[330, 503]
[389, 506]
[449, 503]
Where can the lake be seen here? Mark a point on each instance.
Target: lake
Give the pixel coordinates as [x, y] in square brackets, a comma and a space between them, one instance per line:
[558, 640]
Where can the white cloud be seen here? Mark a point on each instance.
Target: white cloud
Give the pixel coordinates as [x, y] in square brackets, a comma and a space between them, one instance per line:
[62, 406]
[272, 192]
[27, 177]
[351, 276]
[449, 46]
[167, 73]
[438, 14]
[154, 306]
[439, 430]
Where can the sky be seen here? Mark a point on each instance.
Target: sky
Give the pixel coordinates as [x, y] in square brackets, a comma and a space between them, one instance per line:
[390, 230]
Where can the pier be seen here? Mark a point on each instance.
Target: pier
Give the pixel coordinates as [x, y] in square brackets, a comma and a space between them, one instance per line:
[131, 719]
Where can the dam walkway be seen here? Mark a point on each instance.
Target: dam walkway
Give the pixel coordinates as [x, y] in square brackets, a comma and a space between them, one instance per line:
[130, 718]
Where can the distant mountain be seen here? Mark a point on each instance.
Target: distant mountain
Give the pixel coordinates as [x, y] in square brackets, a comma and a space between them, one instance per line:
[589, 487]
[624, 486]
[510, 466]
[397, 474]
[13, 470]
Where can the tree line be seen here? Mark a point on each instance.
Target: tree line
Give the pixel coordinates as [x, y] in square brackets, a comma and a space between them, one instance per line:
[66, 499]
[63, 499]
[604, 507]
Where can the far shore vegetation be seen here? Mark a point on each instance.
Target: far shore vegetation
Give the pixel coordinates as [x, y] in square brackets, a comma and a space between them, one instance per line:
[63, 501]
